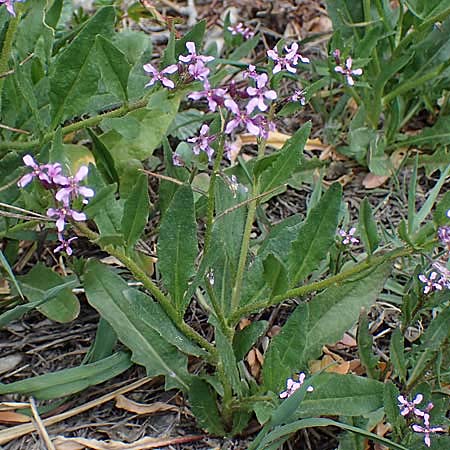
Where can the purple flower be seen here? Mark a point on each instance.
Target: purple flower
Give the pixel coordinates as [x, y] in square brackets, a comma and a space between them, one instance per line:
[64, 244]
[38, 171]
[231, 150]
[444, 235]
[444, 273]
[426, 429]
[431, 283]
[241, 118]
[298, 96]
[259, 93]
[10, 5]
[62, 214]
[250, 72]
[239, 28]
[292, 386]
[265, 125]
[72, 188]
[348, 71]
[215, 96]
[407, 407]
[289, 60]
[177, 160]
[197, 67]
[448, 213]
[160, 75]
[202, 142]
[348, 237]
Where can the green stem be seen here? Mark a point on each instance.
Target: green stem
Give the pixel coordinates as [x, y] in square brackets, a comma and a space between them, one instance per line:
[165, 303]
[6, 51]
[90, 122]
[212, 193]
[301, 291]
[19, 227]
[246, 237]
[218, 311]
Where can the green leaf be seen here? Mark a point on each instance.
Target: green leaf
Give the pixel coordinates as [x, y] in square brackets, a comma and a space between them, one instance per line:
[103, 159]
[365, 344]
[368, 227]
[288, 160]
[18, 311]
[391, 409]
[323, 320]
[275, 275]
[74, 75]
[440, 214]
[177, 245]
[246, 338]
[315, 236]
[342, 395]
[135, 211]
[4, 262]
[153, 121]
[244, 49]
[69, 381]
[153, 316]
[194, 35]
[227, 360]
[114, 67]
[105, 341]
[397, 354]
[105, 292]
[64, 307]
[203, 403]
[280, 434]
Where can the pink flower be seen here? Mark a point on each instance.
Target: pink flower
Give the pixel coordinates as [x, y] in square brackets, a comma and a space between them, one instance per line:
[72, 187]
[64, 244]
[292, 386]
[250, 72]
[62, 214]
[241, 118]
[177, 161]
[215, 96]
[197, 63]
[298, 96]
[348, 237]
[160, 75]
[264, 124]
[289, 60]
[431, 283]
[407, 407]
[427, 429]
[202, 142]
[246, 32]
[10, 5]
[348, 71]
[259, 94]
[39, 171]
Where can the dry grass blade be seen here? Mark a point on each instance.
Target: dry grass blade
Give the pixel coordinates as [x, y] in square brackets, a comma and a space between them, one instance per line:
[21, 430]
[40, 426]
[140, 408]
[13, 417]
[145, 443]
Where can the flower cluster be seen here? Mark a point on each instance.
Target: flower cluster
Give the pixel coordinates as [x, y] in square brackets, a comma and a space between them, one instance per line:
[292, 386]
[410, 410]
[439, 278]
[193, 63]
[10, 5]
[346, 69]
[240, 29]
[247, 103]
[66, 190]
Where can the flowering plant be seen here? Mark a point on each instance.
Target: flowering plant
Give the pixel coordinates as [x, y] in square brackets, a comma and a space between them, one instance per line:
[89, 150]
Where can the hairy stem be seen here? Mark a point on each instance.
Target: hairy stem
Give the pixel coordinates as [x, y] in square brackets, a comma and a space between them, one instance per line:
[162, 299]
[301, 291]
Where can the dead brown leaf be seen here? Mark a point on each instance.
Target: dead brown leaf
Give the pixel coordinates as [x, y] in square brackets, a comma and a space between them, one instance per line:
[123, 402]
[331, 365]
[255, 360]
[372, 181]
[13, 417]
[63, 443]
